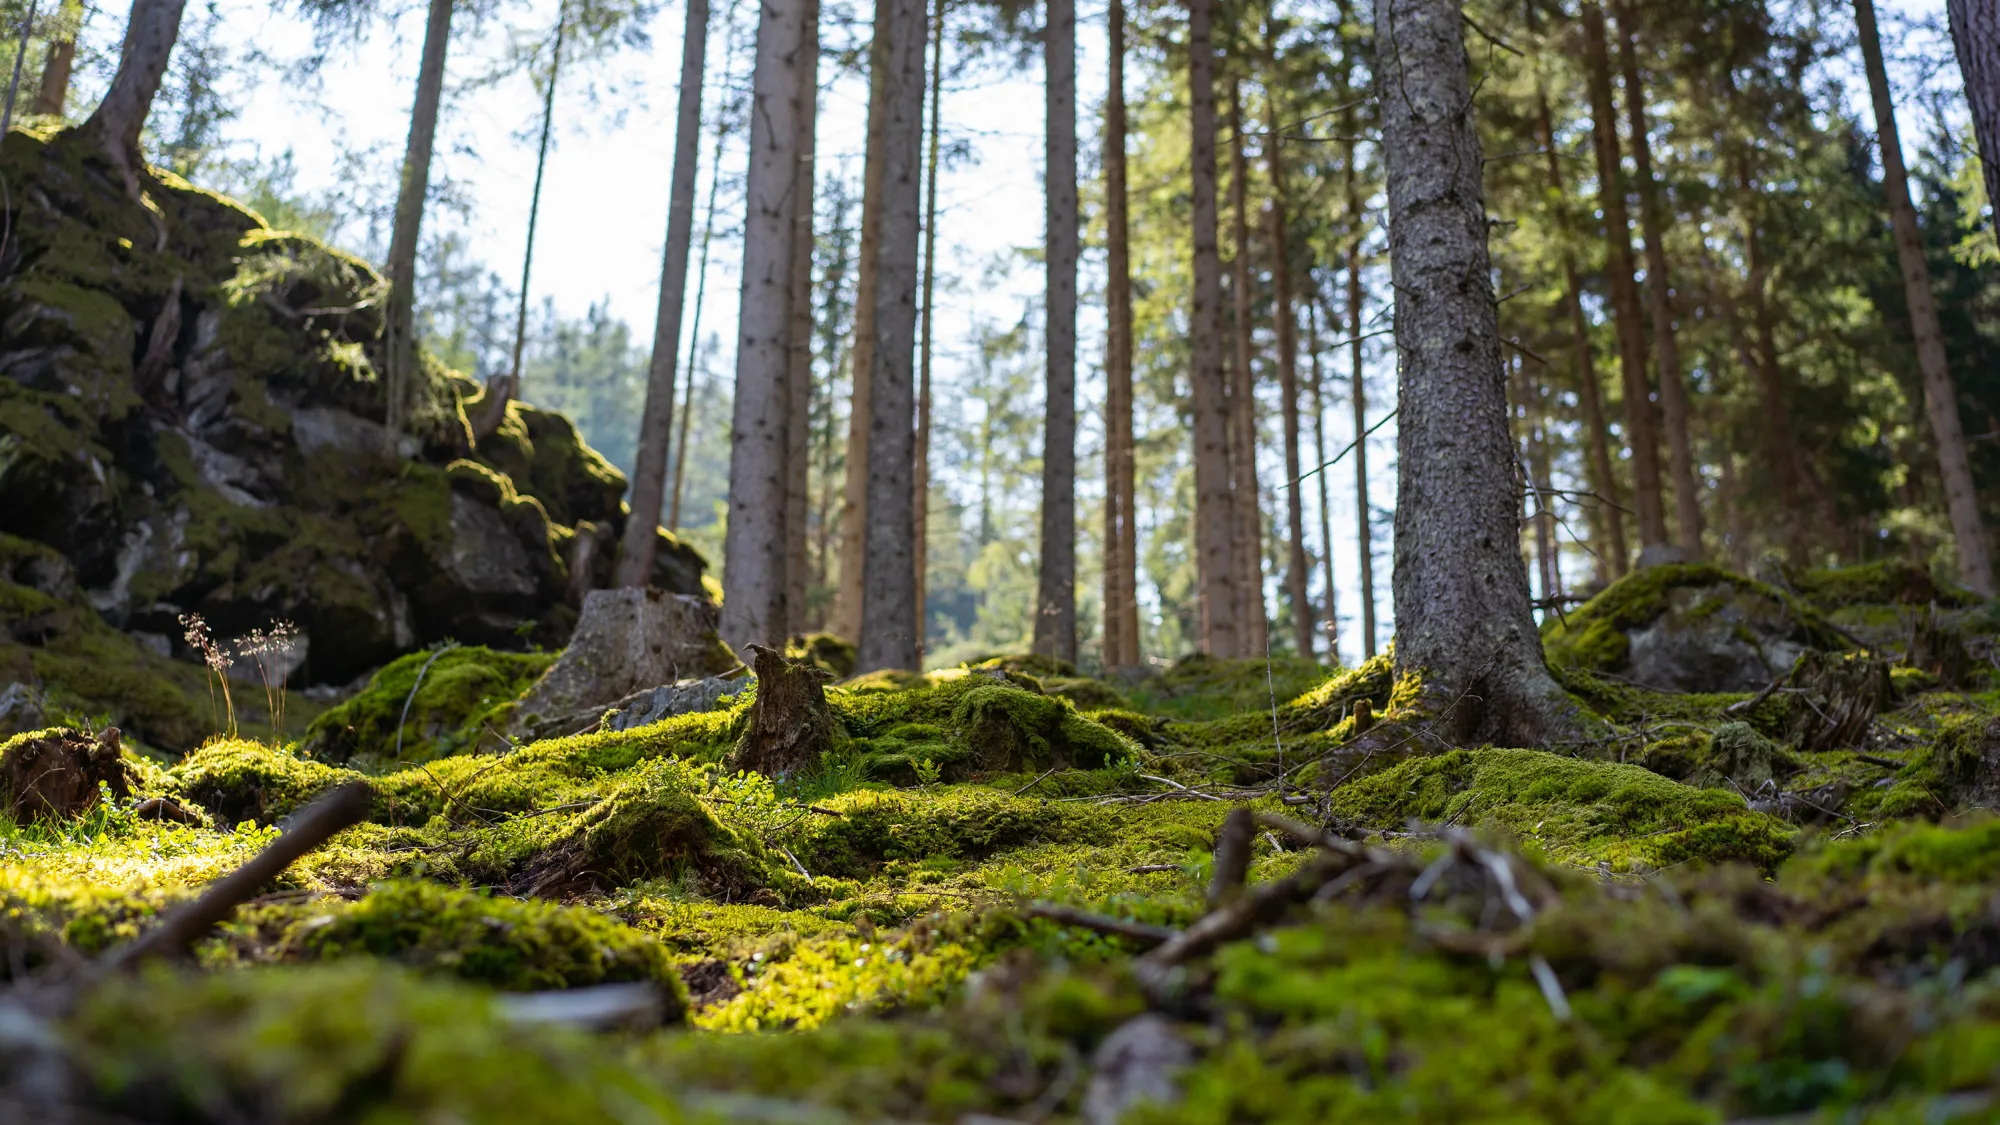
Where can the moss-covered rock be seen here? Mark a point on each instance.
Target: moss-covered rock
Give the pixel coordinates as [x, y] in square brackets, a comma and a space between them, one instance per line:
[1883, 582]
[650, 826]
[466, 695]
[240, 780]
[971, 724]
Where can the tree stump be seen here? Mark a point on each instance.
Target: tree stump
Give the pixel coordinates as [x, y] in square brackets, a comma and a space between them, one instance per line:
[54, 776]
[790, 722]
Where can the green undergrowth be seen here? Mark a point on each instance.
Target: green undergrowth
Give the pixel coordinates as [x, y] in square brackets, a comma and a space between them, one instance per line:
[1594, 635]
[463, 700]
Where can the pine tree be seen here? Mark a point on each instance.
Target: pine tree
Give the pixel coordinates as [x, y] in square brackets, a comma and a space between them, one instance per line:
[1975, 38]
[1215, 519]
[1055, 600]
[1121, 579]
[142, 63]
[399, 338]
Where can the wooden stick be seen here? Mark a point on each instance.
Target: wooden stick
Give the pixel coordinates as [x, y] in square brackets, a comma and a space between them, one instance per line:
[185, 925]
[1102, 923]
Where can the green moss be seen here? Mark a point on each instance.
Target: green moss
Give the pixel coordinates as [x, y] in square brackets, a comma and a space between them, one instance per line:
[1201, 687]
[1576, 811]
[1087, 694]
[825, 651]
[956, 823]
[1883, 582]
[969, 724]
[240, 780]
[507, 943]
[649, 826]
[466, 693]
[1593, 636]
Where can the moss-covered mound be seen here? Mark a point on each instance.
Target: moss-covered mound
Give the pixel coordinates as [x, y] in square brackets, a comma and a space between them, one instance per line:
[463, 699]
[970, 724]
[192, 415]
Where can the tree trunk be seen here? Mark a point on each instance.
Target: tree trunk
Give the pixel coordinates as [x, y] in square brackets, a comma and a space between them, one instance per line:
[1215, 518]
[681, 442]
[1298, 569]
[1624, 290]
[798, 422]
[1975, 39]
[1975, 562]
[1121, 579]
[1243, 402]
[1781, 442]
[53, 94]
[399, 328]
[754, 548]
[1319, 458]
[1660, 301]
[888, 636]
[861, 362]
[1462, 608]
[142, 63]
[920, 491]
[656, 422]
[1607, 523]
[513, 388]
[1055, 600]
[1364, 509]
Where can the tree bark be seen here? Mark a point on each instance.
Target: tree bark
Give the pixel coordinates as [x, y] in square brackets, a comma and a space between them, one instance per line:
[920, 491]
[1781, 442]
[1640, 434]
[53, 93]
[1364, 509]
[1121, 580]
[1660, 301]
[1055, 600]
[861, 361]
[888, 636]
[1607, 523]
[1975, 39]
[1215, 519]
[656, 421]
[1463, 619]
[1298, 569]
[1319, 458]
[513, 387]
[754, 548]
[1975, 560]
[399, 318]
[799, 375]
[142, 63]
[1248, 503]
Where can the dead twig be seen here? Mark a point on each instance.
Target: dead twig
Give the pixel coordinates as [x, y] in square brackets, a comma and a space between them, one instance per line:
[1102, 923]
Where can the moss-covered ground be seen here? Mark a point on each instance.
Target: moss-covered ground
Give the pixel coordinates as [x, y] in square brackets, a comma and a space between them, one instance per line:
[1680, 916]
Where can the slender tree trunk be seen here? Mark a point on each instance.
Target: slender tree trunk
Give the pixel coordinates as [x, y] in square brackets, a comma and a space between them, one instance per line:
[142, 63]
[1243, 397]
[1975, 561]
[1781, 442]
[656, 422]
[854, 510]
[1462, 607]
[1607, 523]
[1624, 289]
[1215, 517]
[888, 605]
[1319, 458]
[798, 423]
[535, 202]
[399, 337]
[1660, 301]
[1055, 601]
[53, 93]
[681, 441]
[1121, 609]
[1975, 39]
[920, 492]
[754, 549]
[1364, 518]
[1298, 569]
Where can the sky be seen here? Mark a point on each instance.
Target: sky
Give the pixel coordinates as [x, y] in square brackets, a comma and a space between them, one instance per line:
[602, 216]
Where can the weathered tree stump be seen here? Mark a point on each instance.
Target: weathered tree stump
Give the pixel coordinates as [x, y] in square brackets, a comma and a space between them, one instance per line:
[790, 722]
[1839, 697]
[54, 776]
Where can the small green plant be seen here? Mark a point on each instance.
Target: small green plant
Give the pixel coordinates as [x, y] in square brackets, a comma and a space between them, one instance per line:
[927, 771]
[215, 656]
[271, 649]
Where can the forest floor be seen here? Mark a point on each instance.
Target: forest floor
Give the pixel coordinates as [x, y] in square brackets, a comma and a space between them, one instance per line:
[998, 898]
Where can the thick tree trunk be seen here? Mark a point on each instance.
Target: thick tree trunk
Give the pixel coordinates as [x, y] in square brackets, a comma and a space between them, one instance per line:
[1462, 608]
[399, 338]
[888, 636]
[53, 94]
[861, 361]
[1639, 430]
[656, 422]
[1121, 580]
[142, 63]
[1055, 600]
[1248, 503]
[1660, 302]
[1975, 560]
[1214, 517]
[1298, 568]
[799, 381]
[1975, 39]
[920, 489]
[754, 548]
[1319, 458]
[1607, 523]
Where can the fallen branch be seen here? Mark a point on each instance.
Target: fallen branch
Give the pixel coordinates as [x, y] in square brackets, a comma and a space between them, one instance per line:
[1102, 923]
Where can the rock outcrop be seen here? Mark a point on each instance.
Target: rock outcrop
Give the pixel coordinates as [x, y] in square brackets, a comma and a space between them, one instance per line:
[627, 640]
[196, 425]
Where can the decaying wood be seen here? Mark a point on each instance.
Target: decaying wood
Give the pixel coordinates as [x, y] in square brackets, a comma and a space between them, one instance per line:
[1232, 856]
[1101, 923]
[790, 722]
